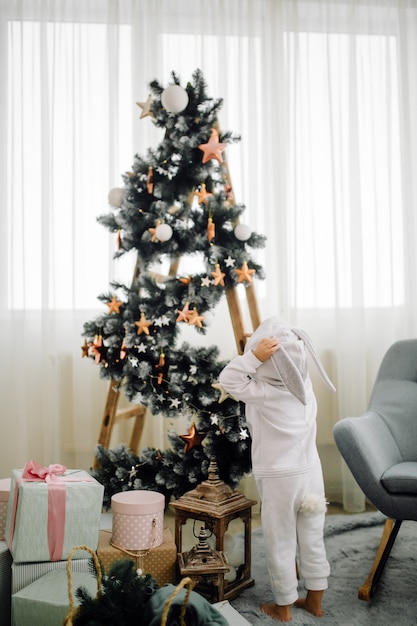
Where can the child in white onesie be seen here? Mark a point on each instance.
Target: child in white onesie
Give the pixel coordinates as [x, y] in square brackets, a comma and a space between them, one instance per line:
[272, 378]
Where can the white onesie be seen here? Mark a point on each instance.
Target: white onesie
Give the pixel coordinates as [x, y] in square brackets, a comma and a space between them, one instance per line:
[281, 412]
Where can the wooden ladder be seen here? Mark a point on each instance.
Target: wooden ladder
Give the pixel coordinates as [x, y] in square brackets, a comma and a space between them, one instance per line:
[112, 415]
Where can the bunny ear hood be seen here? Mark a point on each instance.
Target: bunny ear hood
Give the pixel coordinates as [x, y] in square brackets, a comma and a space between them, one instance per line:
[287, 367]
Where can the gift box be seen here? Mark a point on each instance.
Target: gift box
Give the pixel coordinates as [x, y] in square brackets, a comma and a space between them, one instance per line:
[45, 601]
[5, 583]
[50, 510]
[160, 562]
[23, 574]
[138, 519]
[230, 614]
[4, 499]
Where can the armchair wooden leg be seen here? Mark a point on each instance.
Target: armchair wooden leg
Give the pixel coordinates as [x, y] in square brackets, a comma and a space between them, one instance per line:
[389, 535]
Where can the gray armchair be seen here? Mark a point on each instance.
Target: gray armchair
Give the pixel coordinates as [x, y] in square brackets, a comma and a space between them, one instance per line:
[380, 448]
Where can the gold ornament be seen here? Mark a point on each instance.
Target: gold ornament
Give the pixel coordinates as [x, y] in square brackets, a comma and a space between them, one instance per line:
[183, 315]
[203, 195]
[114, 305]
[85, 348]
[143, 324]
[192, 439]
[245, 273]
[146, 108]
[160, 367]
[223, 394]
[211, 229]
[149, 183]
[194, 319]
[97, 349]
[213, 149]
[218, 276]
[123, 351]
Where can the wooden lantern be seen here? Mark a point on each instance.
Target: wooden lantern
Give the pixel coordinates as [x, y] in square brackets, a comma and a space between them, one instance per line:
[206, 568]
[216, 504]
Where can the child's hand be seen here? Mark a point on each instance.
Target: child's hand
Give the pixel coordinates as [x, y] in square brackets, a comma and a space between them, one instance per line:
[265, 348]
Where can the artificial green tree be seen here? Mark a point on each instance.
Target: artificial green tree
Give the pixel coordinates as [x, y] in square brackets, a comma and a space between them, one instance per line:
[177, 201]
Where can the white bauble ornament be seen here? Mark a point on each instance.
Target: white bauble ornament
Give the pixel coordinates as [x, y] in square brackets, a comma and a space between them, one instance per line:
[115, 197]
[163, 232]
[242, 232]
[174, 99]
[208, 318]
[231, 575]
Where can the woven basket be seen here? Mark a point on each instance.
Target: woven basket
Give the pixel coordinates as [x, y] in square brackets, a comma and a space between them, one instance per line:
[73, 610]
[185, 582]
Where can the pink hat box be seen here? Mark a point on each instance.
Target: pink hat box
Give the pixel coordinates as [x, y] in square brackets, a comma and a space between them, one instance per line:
[138, 519]
[4, 499]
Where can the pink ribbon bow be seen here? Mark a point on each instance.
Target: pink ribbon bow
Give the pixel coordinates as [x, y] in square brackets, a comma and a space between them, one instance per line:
[33, 472]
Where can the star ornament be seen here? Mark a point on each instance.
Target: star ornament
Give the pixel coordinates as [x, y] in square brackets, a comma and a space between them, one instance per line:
[202, 194]
[244, 273]
[146, 108]
[218, 276]
[194, 319]
[212, 149]
[184, 313]
[243, 434]
[193, 439]
[223, 394]
[143, 324]
[114, 305]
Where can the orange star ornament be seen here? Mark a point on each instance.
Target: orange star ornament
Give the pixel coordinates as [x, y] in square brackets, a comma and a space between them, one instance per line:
[213, 149]
[143, 324]
[184, 313]
[218, 276]
[192, 439]
[203, 195]
[194, 319]
[114, 305]
[245, 273]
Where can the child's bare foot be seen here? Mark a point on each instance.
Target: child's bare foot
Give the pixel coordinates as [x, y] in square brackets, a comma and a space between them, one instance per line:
[280, 612]
[312, 603]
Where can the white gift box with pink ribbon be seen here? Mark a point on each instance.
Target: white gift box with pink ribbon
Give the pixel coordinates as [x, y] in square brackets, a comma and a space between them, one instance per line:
[51, 510]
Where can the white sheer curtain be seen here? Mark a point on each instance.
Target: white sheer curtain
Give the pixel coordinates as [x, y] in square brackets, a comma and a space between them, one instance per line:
[323, 94]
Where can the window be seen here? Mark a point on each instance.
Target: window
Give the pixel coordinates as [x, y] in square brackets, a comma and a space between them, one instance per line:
[345, 200]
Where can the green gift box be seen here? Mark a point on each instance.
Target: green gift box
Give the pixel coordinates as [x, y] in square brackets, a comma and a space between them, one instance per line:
[50, 510]
[45, 602]
[5, 583]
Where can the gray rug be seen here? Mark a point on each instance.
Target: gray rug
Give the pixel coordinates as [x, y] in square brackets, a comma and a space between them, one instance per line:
[351, 542]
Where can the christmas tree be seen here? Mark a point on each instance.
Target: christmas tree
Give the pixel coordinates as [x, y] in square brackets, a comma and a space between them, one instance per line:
[177, 201]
